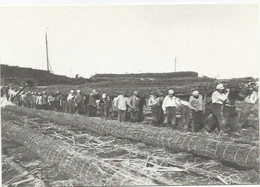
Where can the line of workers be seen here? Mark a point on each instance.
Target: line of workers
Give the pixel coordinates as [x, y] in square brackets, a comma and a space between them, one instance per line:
[164, 109]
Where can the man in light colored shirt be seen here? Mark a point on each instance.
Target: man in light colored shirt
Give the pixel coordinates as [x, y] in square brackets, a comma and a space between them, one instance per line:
[154, 104]
[39, 101]
[70, 100]
[250, 105]
[121, 104]
[196, 103]
[78, 102]
[219, 97]
[169, 106]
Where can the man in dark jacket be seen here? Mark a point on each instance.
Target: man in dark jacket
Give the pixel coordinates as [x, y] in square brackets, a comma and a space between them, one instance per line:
[92, 103]
[57, 101]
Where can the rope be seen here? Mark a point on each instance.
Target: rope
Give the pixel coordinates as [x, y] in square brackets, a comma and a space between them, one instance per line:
[177, 140]
[248, 154]
[163, 136]
[223, 156]
[235, 157]
[208, 145]
[216, 149]
[183, 142]
[195, 146]
[82, 167]
[188, 145]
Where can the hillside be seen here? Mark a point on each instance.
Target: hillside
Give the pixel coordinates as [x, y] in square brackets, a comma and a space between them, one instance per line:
[16, 75]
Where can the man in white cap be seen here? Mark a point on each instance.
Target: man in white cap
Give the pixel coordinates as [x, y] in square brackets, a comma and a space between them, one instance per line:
[219, 97]
[78, 102]
[169, 106]
[39, 101]
[70, 100]
[196, 103]
[105, 105]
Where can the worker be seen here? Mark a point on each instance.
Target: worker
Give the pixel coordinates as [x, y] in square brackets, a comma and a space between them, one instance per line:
[6, 91]
[44, 101]
[196, 103]
[250, 105]
[51, 101]
[134, 102]
[32, 99]
[57, 101]
[39, 101]
[85, 98]
[71, 104]
[169, 106]
[92, 103]
[105, 106]
[219, 97]
[121, 103]
[155, 107]
[78, 103]
[23, 99]
[142, 104]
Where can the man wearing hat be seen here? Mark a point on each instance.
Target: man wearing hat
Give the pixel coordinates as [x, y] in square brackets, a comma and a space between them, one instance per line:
[134, 102]
[70, 100]
[169, 106]
[121, 103]
[105, 105]
[219, 97]
[196, 103]
[250, 105]
[39, 101]
[92, 103]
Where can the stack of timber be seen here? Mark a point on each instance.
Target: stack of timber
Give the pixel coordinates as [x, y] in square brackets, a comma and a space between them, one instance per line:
[239, 154]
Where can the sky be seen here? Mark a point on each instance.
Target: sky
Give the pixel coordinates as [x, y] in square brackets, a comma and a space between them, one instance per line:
[220, 41]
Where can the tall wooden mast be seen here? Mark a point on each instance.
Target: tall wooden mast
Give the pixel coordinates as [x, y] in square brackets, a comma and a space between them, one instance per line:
[47, 54]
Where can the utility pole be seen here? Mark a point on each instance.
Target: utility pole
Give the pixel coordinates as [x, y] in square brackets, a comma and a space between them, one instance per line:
[47, 55]
[175, 64]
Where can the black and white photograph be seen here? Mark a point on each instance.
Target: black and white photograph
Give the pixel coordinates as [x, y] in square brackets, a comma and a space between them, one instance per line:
[129, 93]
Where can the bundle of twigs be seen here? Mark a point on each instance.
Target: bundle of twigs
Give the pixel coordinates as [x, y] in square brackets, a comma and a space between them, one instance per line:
[240, 154]
[86, 170]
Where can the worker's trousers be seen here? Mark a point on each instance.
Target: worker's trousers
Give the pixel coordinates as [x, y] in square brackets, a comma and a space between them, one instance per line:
[197, 120]
[217, 111]
[185, 116]
[171, 116]
[156, 114]
[134, 115]
[121, 115]
[231, 118]
[92, 110]
[247, 109]
[71, 107]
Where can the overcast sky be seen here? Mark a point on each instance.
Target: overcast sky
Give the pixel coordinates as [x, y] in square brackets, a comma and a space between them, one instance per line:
[214, 40]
